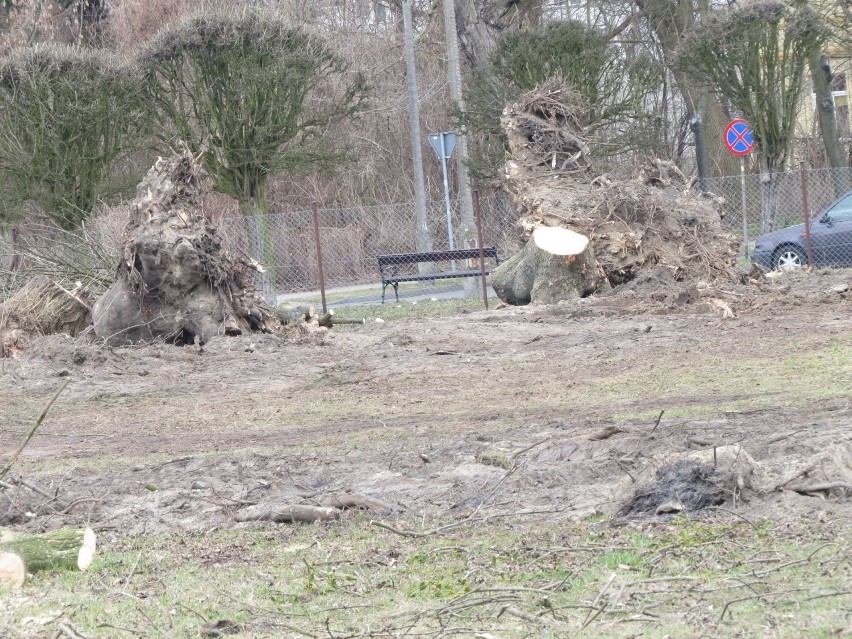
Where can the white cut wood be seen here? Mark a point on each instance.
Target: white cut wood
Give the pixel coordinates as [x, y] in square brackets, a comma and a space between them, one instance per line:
[559, 241]
[12, 571]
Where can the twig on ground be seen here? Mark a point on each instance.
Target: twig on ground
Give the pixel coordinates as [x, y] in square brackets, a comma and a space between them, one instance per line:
[520, 614]
[735, 513]
[795, 562]
[34, 487]
[596, 611]
[528, 448]
[70, 632]
[657, 423]
[758, 596]
[427, 533]
[122, 628]
[34, 428]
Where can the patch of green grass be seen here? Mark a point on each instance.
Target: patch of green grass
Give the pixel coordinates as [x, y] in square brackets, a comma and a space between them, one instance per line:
[351, 578]
[404, 310]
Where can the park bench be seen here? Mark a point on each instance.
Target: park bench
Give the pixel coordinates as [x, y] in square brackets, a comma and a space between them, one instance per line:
[391, 267]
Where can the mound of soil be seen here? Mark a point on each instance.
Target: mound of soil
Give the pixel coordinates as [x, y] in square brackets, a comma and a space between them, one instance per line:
[635, 222]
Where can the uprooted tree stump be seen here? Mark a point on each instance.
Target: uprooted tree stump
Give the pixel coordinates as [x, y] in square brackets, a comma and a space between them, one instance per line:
[63, 549]
[175, 281]
[555, 264]
[635, 221]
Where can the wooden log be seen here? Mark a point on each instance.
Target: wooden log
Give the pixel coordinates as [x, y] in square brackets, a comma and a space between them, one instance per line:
[287, 513]
[347, 320]
[326, 319]
[64, 549]
[12, 571]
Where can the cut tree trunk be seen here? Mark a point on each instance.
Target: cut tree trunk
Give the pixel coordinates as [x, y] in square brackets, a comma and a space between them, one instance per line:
[63, 549]
[555, 264]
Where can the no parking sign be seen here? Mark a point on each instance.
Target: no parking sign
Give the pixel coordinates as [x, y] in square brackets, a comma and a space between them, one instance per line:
[738, 137]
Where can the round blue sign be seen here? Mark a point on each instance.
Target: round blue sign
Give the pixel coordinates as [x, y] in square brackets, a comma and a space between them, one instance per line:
[738, 137]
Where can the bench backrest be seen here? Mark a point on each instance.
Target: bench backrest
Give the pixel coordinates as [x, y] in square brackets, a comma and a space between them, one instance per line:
[436, 256]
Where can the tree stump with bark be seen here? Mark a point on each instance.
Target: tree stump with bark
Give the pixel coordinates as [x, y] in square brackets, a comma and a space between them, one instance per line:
[175, 282]
[555, 264]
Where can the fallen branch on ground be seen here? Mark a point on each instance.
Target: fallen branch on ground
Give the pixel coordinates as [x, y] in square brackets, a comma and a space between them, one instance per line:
[287, 513]
[34, 428]
[353, 502]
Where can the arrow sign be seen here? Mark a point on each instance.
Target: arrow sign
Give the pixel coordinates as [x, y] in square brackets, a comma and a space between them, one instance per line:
[738, 137]
[449, 144]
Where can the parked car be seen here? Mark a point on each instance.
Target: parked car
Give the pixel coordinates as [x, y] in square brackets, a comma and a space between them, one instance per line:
[831, 241]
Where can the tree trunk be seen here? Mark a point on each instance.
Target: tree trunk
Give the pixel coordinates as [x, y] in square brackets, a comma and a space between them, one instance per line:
[422, 239]
[768, 202]
[669, 21]
[64, 549]
[467, 232]
[256, 220]
[555, 264]
[826, 117]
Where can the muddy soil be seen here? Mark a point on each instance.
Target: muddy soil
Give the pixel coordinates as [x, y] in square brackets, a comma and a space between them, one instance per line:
[515, 410]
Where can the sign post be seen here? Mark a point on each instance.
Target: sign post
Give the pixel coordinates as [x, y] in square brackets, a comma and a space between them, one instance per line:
[740, 142]
[443, 144]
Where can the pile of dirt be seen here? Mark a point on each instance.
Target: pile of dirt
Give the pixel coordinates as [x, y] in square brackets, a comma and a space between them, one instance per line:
[175, 281]
[636, 223]
[42, 307]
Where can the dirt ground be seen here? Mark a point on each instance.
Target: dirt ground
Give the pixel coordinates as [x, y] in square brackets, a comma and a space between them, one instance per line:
[546, 411]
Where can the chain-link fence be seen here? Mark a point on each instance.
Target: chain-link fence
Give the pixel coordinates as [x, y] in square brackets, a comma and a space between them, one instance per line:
[370, 250]
[373, 252]
[769, 211]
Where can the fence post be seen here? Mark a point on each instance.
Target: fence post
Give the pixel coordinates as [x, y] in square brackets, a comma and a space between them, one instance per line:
[319, 255]
[807, 214]
[478, 218]
[745, 207]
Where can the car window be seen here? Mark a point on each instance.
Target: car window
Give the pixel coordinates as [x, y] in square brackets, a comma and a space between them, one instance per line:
[842, 211]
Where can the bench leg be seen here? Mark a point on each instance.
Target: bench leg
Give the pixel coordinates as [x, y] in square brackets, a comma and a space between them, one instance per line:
[384, 286]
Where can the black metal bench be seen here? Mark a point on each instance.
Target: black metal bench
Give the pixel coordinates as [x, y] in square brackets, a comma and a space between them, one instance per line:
[391, 275]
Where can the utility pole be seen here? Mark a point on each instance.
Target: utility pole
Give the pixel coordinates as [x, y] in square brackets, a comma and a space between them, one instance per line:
[422, 239]
[467, 230]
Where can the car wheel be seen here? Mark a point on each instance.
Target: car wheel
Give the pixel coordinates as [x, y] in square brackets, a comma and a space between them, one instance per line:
[788, 258]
